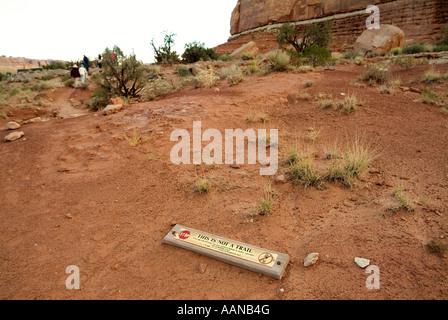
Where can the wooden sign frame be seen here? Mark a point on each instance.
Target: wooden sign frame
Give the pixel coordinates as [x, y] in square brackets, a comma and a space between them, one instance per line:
[267, 262]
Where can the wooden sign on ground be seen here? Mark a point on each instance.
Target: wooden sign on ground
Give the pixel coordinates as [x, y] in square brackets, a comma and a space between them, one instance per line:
[267, 262]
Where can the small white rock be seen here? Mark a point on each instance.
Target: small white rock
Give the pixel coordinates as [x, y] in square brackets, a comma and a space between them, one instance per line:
[311, 259]
[12, 125]
[110, 109]
[14, 136]
[361, 262]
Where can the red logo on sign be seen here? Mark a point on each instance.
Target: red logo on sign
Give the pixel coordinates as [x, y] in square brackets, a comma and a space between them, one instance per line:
[184, 235]
[265, 258]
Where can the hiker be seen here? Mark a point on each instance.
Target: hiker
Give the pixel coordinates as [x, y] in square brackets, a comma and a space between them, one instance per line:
[113, 55]
[86, 63]
[100, 62]
[74, 73]
[83, 74]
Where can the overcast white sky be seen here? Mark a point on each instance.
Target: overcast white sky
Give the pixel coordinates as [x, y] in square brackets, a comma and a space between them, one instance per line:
[66, 30]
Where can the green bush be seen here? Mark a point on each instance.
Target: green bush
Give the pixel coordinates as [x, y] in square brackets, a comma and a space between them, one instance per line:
[196, 51]
[396, 51]
[99, 99]
[352, 55]
[279, 60]
[440, 47]
[123, 76]
[319, 34]
[415, 48]
[183, 71]
[225, 57]
[164, 53]
[317, 56]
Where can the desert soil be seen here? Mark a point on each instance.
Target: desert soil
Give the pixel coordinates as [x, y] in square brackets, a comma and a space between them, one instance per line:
[74, 192]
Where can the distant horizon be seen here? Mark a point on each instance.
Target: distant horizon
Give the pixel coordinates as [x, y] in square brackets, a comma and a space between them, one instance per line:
[49, 31]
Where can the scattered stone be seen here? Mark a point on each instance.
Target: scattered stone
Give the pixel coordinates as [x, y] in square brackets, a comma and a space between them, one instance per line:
[361, 262]
[378, 41]
[34, 120]
[249, 49]
[415, 90]
[14, 136]
[280, 179]
[111, 109]
[311, 259]
[12, 125]
[116, 101]
[69, 216]
[203, 267]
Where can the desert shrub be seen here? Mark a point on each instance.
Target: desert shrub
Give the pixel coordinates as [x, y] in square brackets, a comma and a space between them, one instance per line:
[266, 201]
[69, 83]
[65, 77]
[432, 76]
[225, 57]
[415, 48]
[56, 65]
[405, 62]
[304, 172]
[376, 74]
[396, 51]
[352, 55]
[405, 202]
[196, 51]
[308, 83]
[183, 71]
[233, 74]
[254, 66]
[157, 87]
[356, 160]
[47, 77]
[164, 54]
[350, 103]
[317, 55]
[440, 47]
[279, 60]
[201, 185]
[5, 76]
[207, 78]
[428, 96]
[318, 34]
[99, 99]
[123, 76]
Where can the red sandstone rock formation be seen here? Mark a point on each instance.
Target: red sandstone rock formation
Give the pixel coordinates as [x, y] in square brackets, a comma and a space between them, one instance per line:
[258, 20]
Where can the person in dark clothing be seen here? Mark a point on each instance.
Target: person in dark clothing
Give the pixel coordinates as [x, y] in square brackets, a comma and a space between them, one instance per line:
[74, 73]
[100, 62]
[86, 63]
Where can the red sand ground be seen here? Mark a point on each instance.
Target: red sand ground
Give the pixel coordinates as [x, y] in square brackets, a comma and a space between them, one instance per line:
[76, 193]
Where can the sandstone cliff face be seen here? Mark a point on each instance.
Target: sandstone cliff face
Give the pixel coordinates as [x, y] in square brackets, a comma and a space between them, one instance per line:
[421, 20]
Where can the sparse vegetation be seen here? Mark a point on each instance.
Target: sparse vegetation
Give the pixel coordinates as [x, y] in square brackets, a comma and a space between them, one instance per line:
[233, 74]
[266, 201]
[308, 83]
[303, 171]
[355, 161]
[136, 138]
[431, 76]
[437, 246]
[183, 71]
[350, 103]
[201, 185]
[164, 54]
[325, 104]
[316, 34]
[405, 202]
[279, 60]
[123, 76]
[196, 51]
[376, 74]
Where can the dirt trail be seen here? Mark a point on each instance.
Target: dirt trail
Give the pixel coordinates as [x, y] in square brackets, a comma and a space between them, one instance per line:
[76, 193]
